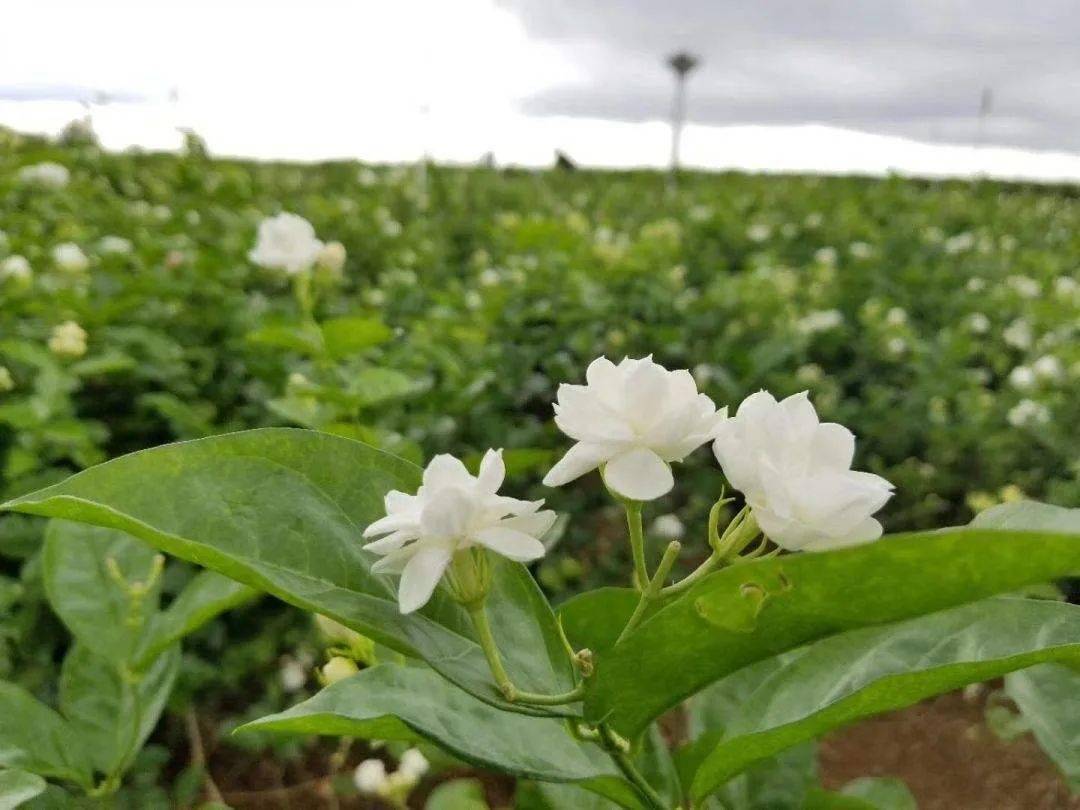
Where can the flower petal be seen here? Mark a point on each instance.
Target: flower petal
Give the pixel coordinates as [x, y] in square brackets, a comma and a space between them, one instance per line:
[639, 474]
[492, 471]
[536, 524]
[420, 576]
[446, 471]
[447, 513]
[390, 523]
[833, 445]
[579, 459]
[392, 542]
[511, 543]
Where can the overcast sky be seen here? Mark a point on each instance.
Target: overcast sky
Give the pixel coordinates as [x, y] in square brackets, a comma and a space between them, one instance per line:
[909, 67]
[395, 79]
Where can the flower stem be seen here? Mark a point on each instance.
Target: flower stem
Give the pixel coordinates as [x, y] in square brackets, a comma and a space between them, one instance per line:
[654, 589]
[479, 616]
[637, 544]
[616, 747]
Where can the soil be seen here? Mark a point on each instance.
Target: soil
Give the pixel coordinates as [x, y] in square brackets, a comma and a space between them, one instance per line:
[949, 759]
[941, 748]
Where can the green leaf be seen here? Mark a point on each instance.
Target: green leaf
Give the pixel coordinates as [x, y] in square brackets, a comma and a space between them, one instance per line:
[352, 334]
[35, 738]
[871, 670]
[299, 337]
[283, 511]
[1047, 698]
[111, 711]
[87, 597]
[782, 782]
[1029, 516]
[205, 597]
[17, 787]
[460, 794]
[755, 610]
[556, 796]
[389, 702]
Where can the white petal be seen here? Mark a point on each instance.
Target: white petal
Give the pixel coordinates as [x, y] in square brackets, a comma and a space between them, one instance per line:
[394, 562]
[390, 523]
[492, 471]
[639, 474]
[865, 532]
[579, 459]
[833, 446]
[398, 502]
[446, 514]
[511, 543]
[646, 392]
[536, 524]
[392, 542]
[446, 471]
[799, 410]
[422, 573]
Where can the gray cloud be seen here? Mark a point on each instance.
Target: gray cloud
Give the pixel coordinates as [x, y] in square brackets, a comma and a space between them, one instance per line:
[908, 67]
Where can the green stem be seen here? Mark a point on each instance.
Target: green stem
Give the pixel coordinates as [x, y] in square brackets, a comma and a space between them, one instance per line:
[616, 748]
[686, 582]
[637, 544]
[491, 651]
[654, 590]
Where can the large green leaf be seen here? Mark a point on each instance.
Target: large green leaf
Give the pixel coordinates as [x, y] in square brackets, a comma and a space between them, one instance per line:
[390, 702]
[35, 738]
[85, 594]
[18, 787]
[1049, 698]
[752, 611]
[863, 672]
[350, 334]
[458, 794]
[110, 710]
[207, 595]
[283, 510]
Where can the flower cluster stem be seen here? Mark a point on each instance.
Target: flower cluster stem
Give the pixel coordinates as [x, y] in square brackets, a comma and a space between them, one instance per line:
[654, 589]
[478, 613]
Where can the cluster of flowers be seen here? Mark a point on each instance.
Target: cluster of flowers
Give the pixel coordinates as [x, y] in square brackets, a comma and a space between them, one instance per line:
[632, 421]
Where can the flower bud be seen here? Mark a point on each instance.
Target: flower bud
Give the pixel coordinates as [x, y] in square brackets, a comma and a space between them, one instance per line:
[7, 383]
[68, 340]
[337, 669]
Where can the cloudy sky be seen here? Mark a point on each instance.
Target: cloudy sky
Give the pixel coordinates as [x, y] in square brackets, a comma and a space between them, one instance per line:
[852, 85]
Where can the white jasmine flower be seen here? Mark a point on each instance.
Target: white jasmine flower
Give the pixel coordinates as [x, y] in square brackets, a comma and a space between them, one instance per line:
[814, 219]
[861, 250]
[332, 257]
[16, 268]
[1028, 412]
[896, 346]
[68, 340]
[114, 244]
[1022, 377]
[370, 777]
[668, 527]
[489, 277]
[453, 511]
[960, 243]
[1048, 367]
[820, 321]
[975, 284]
[631, 420]
[1024, 286]
[1066, 286]
[70, 258]
[293, 675]
[286, 242]
[47, 175]
[1018, 334]
[758, 232]
[978, 323]
[896, 316]
[414, 764]
[795, 473]
[826, 256]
